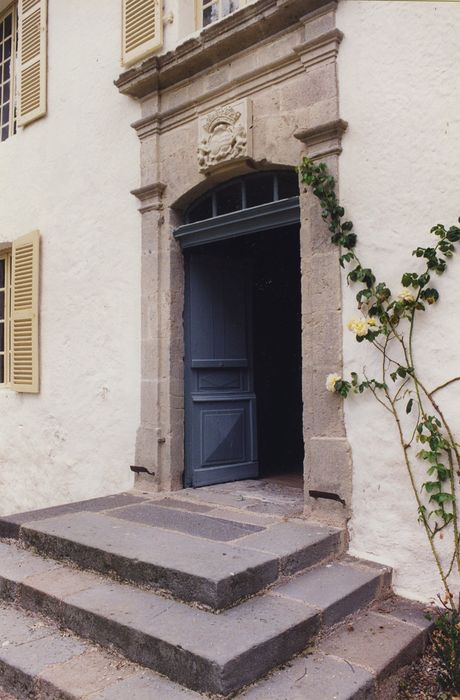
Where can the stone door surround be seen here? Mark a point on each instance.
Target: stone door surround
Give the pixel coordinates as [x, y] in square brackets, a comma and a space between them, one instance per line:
[279, 57]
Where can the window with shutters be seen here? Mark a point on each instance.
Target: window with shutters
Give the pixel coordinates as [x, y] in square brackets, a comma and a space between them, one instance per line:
[8, 43]
[23, 38]
[210, 11]
[19, 295]
[5, 315]
[142, 29]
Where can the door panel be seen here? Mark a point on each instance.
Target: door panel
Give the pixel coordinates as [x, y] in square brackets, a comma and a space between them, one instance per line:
[220, 420]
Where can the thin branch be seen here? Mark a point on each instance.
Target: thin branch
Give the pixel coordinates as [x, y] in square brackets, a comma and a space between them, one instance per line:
[415, 428]
[441, 386]
[377, 397]
[401, 388]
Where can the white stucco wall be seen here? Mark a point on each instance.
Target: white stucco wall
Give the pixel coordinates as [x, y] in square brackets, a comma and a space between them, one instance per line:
[69, 175]
[399, 85]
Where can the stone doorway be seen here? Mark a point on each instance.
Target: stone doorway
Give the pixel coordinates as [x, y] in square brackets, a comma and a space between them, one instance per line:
[242, 326]
[244, 401]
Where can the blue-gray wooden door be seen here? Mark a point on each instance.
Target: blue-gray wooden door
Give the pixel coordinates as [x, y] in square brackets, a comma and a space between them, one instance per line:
[220, 403]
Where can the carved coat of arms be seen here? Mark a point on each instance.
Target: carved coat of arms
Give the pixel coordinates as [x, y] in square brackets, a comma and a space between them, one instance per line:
[224, 137]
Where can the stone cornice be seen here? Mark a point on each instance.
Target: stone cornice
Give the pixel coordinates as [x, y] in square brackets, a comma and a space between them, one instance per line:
[148, 126]
[321, 49]
[324, 139]
[150, 196]
[185, 111]
[216, 43]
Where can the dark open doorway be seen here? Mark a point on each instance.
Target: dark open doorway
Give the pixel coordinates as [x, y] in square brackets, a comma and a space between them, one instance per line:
[278, 350]
[273, 261]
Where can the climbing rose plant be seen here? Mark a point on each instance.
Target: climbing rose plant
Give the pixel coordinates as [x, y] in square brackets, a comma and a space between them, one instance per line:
[387, 322]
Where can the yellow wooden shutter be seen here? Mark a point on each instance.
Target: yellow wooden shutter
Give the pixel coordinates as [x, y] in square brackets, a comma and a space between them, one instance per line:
[142, 28]
[24, 313]
[32, 59]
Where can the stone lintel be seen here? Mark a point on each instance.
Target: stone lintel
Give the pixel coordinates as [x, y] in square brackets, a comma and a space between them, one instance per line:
[323, 139]
[150, 196]
[220, 41]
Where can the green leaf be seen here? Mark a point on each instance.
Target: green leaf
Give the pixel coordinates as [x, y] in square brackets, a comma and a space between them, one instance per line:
[410, 403]
[430, 295]
[453, 234]
[409, 279]
[430, 486]
[442, 497]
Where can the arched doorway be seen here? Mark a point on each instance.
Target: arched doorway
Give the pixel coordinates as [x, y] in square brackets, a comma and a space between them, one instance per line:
[242, 324]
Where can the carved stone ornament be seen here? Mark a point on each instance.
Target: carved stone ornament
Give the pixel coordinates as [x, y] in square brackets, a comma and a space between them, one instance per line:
[224, 135]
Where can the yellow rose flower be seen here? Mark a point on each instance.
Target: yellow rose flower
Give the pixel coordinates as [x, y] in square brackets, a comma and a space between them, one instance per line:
[359, 326]
[371, 321]
[406, 295]
[331, 381]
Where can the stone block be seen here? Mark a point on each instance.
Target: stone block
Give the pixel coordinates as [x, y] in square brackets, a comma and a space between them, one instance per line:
[148, 359]
[41, 592]
[326, 409]
[319, 22]
[177, 503]
[26, 660]
[298, 545]
[267, 102]
[145, 685]
[18, 627]
[416, 614]
[84, 674]
[10, 524]
[326, 293]
[243, 516]
[336, 589]
[316, 676]
[17, 565]
[378, 642]
[190, 523]
[149, 398]
[331, 470]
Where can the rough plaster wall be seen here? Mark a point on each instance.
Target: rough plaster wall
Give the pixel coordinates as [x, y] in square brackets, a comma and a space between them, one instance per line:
[399, 174]
[69, 175]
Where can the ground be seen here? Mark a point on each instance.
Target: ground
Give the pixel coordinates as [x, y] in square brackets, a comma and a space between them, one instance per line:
[420, 682]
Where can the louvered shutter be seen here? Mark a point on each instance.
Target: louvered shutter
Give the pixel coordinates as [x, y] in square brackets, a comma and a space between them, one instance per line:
[24, 313]
[142, 28]
[32, 59]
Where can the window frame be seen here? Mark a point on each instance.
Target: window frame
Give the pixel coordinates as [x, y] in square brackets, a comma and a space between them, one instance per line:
[12, 10]
[6, 255]
[199, 12]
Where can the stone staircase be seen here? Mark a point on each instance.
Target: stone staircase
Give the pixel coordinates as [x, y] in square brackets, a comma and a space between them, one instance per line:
[141, 596]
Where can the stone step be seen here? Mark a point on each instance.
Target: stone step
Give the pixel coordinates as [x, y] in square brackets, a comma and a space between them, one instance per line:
[199, 649]
[357, 659]
[38, 660]
[193, 556]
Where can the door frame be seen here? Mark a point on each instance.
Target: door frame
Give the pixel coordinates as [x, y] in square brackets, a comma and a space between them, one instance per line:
[271, 216]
